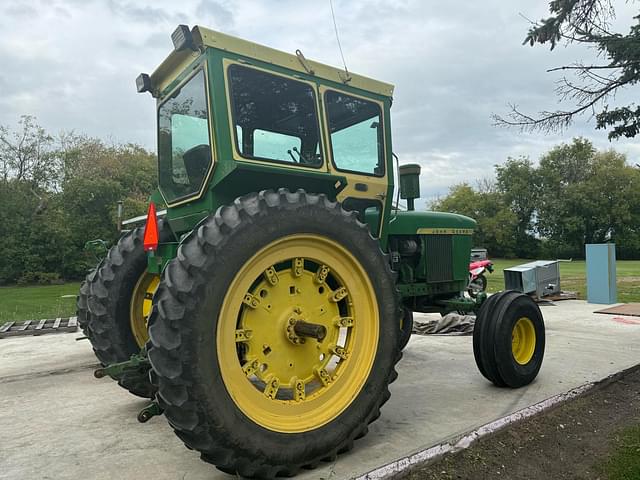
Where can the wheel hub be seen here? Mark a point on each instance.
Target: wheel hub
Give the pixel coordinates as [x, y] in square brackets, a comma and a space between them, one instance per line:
[291, 312]
[298, 330]
[291, 332]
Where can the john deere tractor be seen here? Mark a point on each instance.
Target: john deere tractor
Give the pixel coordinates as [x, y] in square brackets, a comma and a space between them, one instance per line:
[266, 300]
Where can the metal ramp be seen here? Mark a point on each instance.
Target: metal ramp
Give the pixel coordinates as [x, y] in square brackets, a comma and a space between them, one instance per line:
[39, 327]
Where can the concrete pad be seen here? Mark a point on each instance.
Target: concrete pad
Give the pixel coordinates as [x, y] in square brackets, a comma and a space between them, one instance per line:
[57, 421]
[37, 355]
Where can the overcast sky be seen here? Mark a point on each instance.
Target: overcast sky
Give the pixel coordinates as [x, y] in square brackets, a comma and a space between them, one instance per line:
[73, 64]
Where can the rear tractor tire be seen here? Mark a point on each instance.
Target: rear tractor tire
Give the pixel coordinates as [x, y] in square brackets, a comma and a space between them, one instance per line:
[509, 339]
[274, 334]
[113, 307]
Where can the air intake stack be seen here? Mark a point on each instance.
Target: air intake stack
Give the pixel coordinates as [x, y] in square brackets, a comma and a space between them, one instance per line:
[410, 183]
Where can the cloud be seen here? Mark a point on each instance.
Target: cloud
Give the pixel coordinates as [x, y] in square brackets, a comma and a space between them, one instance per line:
[215, 14]
[453, 65]
[133, 11]
[20, 11]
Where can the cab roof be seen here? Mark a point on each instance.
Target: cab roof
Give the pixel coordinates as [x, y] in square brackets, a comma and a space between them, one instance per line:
[204, 37]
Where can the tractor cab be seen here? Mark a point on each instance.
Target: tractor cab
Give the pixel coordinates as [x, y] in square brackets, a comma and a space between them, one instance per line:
[236, 117]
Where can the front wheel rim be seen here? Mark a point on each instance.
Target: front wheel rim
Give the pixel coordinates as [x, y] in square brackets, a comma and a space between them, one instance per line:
[281, 380]
[523, 340]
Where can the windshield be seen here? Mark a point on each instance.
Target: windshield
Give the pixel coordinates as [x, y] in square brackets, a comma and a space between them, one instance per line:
[184, 148]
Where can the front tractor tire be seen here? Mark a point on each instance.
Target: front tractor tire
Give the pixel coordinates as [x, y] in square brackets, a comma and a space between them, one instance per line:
[274, 334]
[113, 305]
[509, 339]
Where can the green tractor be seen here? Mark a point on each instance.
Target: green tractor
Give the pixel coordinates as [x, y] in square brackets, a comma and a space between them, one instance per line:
[265, 302]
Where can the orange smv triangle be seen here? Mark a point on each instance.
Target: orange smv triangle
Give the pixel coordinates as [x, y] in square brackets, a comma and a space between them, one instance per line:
[150, 239]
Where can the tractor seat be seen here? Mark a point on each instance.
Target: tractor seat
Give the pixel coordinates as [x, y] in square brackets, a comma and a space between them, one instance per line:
[196, 162]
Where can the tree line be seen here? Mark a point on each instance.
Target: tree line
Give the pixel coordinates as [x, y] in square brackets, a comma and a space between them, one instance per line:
[575, 195]
[57, 192]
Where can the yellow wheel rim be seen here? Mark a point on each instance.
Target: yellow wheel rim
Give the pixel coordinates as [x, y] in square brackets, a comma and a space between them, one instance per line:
[281, 380]
[523, 340]
[140, 307]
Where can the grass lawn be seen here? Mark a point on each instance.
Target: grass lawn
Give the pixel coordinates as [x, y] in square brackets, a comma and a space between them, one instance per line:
[573, 277]
[37, 302]
[624, 463]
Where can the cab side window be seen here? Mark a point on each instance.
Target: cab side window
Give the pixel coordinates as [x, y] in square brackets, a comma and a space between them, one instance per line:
[184, 147]
[274, 117]
[357, 141]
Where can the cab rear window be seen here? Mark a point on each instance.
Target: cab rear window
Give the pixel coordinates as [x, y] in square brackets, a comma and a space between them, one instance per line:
[275, 118]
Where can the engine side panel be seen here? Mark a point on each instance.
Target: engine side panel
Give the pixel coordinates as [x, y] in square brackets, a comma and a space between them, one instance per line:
[430, 251]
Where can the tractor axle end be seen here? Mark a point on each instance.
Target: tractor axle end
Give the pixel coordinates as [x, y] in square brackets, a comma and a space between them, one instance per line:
[149, 411]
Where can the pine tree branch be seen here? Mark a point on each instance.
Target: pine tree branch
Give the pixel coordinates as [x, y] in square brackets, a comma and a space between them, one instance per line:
[592, 67]
[551, 121]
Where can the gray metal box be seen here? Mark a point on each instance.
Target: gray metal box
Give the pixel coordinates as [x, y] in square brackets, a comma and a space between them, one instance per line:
[479, 254]
[539, 278]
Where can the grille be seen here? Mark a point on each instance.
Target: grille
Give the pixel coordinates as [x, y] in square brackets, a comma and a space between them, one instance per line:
[439, 258]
